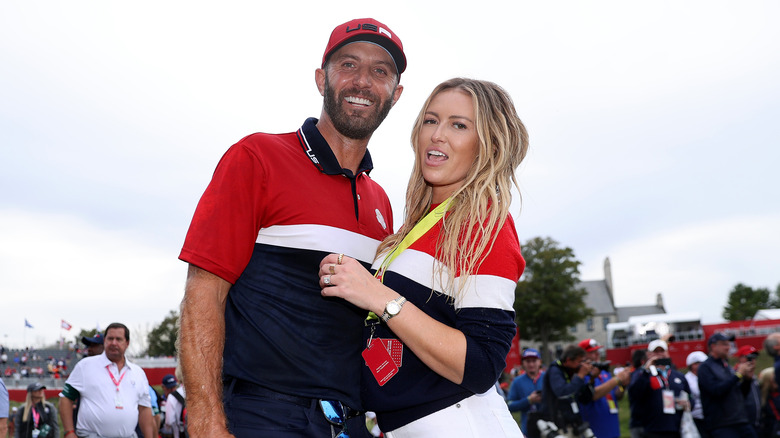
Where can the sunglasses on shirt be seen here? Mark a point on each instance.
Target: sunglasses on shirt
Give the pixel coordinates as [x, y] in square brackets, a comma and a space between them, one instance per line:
[337, 415]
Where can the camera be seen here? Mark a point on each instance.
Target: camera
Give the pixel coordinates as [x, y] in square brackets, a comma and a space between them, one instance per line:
[664, 361]
[603, 366]
[548, 429]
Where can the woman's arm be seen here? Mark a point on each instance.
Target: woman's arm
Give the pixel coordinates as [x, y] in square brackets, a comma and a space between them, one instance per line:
[440, 347]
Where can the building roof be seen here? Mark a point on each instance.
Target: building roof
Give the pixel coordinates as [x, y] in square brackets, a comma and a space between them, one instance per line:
[624, 313]
[598, 298]
[767, 314]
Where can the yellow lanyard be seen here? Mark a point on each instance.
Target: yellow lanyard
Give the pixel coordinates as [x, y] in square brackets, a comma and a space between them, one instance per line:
[419, 230]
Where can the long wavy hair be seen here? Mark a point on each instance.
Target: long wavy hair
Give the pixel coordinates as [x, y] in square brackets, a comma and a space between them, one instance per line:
[481, 205]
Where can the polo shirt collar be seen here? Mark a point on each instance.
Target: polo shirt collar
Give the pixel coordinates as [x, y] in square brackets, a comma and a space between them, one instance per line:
[321, 155]
[105, 361]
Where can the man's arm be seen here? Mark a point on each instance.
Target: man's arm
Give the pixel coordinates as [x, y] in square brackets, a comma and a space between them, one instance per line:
[146, 420]
[3, 427]
[202, 341]
[66, 415]
[602, 390]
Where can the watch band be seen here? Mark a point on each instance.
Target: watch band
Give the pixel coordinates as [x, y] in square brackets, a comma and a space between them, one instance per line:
[399, 302]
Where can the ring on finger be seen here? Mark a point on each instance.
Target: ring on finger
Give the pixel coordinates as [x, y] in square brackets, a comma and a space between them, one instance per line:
[341, 258]
[332, 269]
[326, 280]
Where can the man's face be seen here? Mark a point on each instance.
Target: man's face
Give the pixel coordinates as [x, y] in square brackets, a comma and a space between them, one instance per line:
[658, 353]
[94, 349]
[115, 344]
[574, 364]
[720, 349]
[359, 85]
[531, 365]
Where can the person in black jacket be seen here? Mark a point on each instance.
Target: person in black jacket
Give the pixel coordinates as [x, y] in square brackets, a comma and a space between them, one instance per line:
[723, 391]
[563, 385]
[37, 417]
[659, 393]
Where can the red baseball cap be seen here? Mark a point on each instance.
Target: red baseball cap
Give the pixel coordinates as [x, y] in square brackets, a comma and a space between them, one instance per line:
[746, 350]
[589, 345]
[370, 31]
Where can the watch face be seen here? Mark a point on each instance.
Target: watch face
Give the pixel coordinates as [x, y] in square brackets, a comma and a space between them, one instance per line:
[393, 308]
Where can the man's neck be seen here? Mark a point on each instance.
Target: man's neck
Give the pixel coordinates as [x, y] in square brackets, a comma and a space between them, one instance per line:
[120, 363]
[348, 151]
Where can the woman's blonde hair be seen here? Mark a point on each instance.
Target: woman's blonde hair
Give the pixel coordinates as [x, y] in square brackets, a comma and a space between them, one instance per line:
[481, 205]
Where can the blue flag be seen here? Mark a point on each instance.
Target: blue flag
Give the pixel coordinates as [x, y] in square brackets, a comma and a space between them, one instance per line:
[27, 323]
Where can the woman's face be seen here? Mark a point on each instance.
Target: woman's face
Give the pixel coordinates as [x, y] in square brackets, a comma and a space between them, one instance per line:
[37, 395]
[447, 143]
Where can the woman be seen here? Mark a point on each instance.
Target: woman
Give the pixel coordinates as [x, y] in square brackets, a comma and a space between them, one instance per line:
[448, 276]
[37, 418]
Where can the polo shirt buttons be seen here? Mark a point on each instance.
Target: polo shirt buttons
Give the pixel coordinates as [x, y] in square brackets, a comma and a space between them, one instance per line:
[457, 405]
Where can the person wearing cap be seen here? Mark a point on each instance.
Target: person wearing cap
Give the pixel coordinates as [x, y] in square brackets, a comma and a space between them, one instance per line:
[723, 391]
[113, 393]
[175, 396]
[659, 394]
[749, 353]
[37, 418]
[692, 362]
[525, 393]
[252, 312]
[601, 412]
[94, 344]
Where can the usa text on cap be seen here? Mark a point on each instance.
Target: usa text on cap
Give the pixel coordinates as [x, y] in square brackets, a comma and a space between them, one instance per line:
[370, 31]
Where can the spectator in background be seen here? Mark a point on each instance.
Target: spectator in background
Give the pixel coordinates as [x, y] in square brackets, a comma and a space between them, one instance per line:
[525, 393]
[169, 384]
[37, 418]
[722, 391]
[772, 347]
[660, 393]
[601, 412]
[112, 391]
[94, 344]
[175, 404]
[638, 358]
[770, 403]
[692, 362]
[751, 391]
[562, 388]
[4, 407]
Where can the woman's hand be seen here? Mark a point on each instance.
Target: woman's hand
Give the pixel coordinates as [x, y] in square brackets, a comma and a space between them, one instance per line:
[351, 281]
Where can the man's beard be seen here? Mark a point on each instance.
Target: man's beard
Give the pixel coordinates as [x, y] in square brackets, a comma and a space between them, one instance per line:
[356, 128]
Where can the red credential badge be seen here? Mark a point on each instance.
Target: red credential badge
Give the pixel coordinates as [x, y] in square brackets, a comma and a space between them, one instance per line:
[380, 362]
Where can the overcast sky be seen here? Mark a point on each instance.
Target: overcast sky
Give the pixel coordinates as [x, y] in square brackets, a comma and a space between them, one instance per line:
[653, 126]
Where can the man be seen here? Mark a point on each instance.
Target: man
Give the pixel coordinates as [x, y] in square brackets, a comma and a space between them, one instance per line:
[601, 412]
[693, 361]
[638, 359]
[722, 391]
[772, 347]
[94, 344]
[113, 393]
[174, 406]
[751, 390]
[4, 406]
[253, 311]
[659, 394]
[525, 393]
[562, 389]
